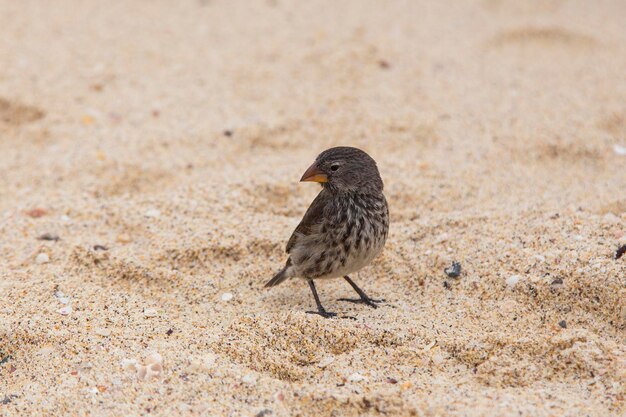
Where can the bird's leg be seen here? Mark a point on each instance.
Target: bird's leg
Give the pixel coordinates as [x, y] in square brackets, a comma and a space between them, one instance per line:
[320, 308]
[364, 298]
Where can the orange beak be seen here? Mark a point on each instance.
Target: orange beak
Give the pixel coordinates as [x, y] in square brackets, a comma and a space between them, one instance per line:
[314, 174]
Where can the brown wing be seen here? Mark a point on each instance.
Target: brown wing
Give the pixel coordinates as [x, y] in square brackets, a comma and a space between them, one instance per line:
[314, 215]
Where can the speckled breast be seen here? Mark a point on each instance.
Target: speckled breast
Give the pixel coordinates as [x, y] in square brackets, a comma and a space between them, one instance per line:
[353, 234]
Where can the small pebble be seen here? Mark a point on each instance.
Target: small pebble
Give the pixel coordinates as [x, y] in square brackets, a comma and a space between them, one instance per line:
[228, 133]
[430, 346]
[392, 381]
[620, 150]
[152, 369]
[326, 361]
[36, 213]
[442, 238]
[454, 270]
[129, 364]
[563, 324]
[263, 413]
[64, 300]
[202, 363]
[150, 312]
[610, 218]
[154, 358]
[101, 331]
[46, 350]
[227, 296]
[557, 281]
[154, 213]
[42, 258]
[7, 399]
[49, 236]
[65, 218]
[620, 252]
[65, 310]
[249, 379]
[356, 377]
[124, 238]
[512, 280]
[100, 247]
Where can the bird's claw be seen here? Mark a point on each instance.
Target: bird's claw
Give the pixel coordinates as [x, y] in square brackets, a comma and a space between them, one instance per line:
[323, 313]
[369, 301]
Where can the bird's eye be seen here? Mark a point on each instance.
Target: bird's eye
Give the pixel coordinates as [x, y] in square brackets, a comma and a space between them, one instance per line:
[334, 167]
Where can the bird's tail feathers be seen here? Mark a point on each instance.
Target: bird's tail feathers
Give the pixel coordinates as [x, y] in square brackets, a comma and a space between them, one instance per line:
[280, 277]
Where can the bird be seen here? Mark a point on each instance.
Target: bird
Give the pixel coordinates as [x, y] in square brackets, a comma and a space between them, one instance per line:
[344, 228]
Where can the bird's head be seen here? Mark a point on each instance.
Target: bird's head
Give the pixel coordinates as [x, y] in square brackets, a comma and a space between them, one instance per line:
[345, 169]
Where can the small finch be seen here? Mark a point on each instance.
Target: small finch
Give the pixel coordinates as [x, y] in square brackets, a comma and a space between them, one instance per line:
[345, 227]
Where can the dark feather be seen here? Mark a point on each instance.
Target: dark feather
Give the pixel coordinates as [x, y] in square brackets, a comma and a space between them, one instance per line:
[313, 216]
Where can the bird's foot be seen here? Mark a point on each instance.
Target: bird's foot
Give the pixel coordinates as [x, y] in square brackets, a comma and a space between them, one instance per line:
[368, 301]
[323, 313]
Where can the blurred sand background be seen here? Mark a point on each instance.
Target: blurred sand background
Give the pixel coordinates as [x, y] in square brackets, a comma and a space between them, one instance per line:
[174, 134]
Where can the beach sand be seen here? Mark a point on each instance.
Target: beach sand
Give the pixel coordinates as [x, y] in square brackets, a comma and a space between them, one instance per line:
[173, 135]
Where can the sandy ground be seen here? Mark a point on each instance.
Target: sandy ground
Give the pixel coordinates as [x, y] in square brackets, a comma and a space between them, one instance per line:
[174, 134]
